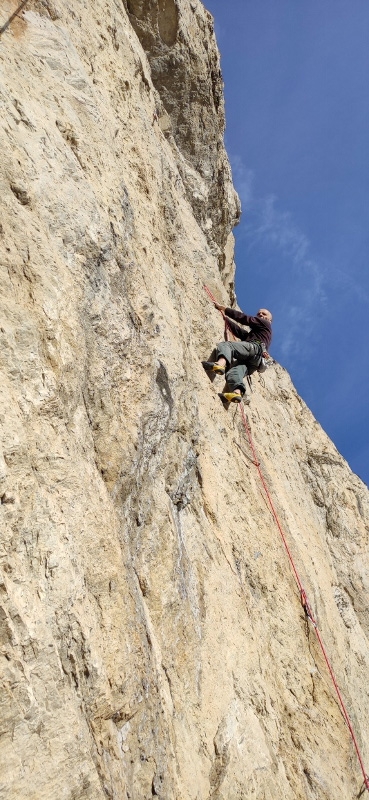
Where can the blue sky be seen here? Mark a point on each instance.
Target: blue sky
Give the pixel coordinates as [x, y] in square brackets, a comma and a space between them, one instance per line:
[297, 111]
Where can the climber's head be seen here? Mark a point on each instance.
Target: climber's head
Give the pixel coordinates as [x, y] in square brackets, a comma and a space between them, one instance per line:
[264, 314]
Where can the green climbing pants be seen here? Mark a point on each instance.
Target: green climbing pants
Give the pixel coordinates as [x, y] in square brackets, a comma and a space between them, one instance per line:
[239, 355]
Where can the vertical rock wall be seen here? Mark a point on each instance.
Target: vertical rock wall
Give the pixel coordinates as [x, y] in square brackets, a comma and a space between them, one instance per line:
[152, 640]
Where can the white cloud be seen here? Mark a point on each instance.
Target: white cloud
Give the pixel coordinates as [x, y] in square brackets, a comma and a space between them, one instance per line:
[244, 179]
[302, 279]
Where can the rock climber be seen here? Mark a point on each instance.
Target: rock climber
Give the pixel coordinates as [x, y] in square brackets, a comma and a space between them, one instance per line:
[237, 359]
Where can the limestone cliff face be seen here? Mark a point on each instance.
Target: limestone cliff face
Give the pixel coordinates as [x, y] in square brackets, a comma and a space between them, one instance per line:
[152, 639]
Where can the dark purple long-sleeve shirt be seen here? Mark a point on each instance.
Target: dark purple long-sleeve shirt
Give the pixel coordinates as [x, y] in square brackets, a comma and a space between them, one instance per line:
[261, 329]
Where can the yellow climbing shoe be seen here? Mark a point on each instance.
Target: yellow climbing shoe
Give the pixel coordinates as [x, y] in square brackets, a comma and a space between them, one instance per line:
[212, 366]
[231, 397]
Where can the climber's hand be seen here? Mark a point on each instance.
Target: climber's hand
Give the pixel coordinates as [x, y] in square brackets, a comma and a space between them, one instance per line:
[220, 308]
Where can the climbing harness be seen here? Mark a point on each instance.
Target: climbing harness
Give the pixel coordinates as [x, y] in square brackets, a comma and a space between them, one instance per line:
[303, 596]
[13, 16]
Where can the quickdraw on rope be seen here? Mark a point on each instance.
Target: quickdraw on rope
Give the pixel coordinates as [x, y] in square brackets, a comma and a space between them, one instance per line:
[13, 16]
[303, 596]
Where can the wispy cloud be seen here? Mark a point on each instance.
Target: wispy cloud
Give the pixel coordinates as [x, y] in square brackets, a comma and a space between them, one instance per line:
[268, 231]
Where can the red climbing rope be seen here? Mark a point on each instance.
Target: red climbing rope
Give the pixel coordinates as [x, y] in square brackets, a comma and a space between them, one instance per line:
[303, 596]
[304, 600]
[227, 327]
[212, 298]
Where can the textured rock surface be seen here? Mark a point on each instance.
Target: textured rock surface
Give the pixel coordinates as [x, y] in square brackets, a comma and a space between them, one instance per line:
[152, 640]
[184, 61]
